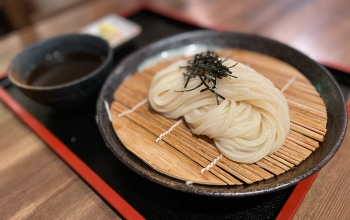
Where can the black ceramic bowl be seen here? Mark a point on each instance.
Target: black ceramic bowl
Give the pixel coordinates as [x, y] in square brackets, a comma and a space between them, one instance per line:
[73, 92]
[319, 76]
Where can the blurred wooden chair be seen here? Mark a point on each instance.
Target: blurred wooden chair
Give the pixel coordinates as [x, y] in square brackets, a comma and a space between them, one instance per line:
[21, 13]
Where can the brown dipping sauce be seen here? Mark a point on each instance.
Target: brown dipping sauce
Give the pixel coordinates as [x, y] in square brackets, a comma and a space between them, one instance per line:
[63, 68]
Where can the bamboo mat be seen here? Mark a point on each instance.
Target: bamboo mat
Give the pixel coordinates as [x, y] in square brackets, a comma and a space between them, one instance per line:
[185, 156]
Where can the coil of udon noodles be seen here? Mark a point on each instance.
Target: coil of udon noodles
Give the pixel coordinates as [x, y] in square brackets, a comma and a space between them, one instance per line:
[249, 124]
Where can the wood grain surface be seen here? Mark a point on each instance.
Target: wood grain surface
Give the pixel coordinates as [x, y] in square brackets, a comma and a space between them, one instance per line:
[328, 198]
[36, 184]
[319, 28]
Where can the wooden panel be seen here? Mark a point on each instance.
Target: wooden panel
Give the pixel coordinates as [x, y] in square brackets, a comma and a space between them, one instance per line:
[318, 28]
[328, 198]
[37, 184]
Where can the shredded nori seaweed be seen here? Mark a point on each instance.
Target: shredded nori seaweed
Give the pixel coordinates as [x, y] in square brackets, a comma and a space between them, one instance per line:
[208, 67]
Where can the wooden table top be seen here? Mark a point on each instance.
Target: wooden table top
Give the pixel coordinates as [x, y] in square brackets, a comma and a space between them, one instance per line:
[36, 183]
[318, 28]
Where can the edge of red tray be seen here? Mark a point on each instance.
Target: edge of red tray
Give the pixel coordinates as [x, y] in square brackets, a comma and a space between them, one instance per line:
[104, 190]
[297, 196]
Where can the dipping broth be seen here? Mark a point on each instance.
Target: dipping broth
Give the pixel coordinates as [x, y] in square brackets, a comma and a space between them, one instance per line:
[62, 68]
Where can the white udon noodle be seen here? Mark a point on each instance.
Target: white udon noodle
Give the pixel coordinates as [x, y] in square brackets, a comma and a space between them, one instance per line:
[249, 124]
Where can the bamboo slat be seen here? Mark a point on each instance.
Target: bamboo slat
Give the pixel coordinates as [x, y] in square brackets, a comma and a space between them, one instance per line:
[188, 157]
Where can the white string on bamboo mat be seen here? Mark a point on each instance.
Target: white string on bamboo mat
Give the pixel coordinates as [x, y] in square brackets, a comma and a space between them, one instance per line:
[285, 87]
[290, 81]
[211, 164]
[108, 111]
[188, 183]
[133, 109]
[169, 130]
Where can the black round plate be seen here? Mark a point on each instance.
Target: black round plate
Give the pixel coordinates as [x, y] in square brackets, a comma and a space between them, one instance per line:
[319, 76]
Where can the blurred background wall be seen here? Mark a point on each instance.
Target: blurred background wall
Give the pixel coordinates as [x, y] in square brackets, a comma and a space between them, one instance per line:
[16, 14]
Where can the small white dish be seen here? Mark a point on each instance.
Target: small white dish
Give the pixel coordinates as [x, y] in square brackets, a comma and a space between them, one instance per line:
[113, 28]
